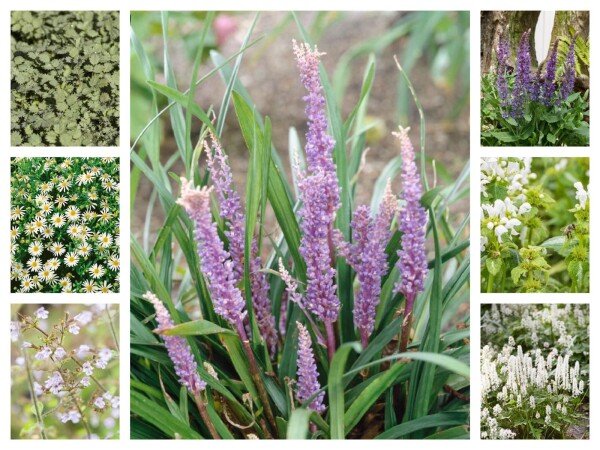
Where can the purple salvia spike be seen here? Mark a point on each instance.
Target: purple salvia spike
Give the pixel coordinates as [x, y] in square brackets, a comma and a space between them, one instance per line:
[320, 196]
[523, 81]
[568, 82]
[178, 349]
[503, 53]
[549, 88]
[215, 262]
[230, 208]
[308, 382]
[412, 223]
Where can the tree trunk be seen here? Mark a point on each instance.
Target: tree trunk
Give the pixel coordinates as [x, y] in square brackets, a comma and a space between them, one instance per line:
[579, 20]
[507, 25]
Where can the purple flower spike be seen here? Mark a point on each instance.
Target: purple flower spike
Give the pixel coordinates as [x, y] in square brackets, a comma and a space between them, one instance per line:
[412, 222]
[320, 197]
[549, 88]
[308, 383]
[231, 210]
[230, 205]
[568, 83]
[215, 262]
[368, 259]
[178, 348]
[503, 53]
[524, 85]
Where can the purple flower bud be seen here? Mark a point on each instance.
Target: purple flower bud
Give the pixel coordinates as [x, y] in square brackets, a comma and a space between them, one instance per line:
[308, 383]
[319, 193]
[215, 262]
[549, 88]
[231, 210]
[412, 222]
[367, 257]
[568, 82]
[177, 347]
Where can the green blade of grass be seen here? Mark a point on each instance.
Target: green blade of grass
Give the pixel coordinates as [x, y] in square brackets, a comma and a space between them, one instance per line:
[336, 388]
[432, 421]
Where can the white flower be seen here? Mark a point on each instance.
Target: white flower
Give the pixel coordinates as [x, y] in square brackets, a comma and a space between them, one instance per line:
[72, 416]
[59, 353]
[71, 259]
[96, 271]
[41, 313]
[15, 330]
[73, 328]
[99, 403]
[83, 351]
[43, 354]
[497, 410]
[35, 248]
[84, 317]
[581, 195]
[55, 383]
[87, 368]
[85, 381]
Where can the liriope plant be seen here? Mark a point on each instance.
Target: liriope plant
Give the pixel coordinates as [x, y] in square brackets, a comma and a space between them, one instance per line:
[354, 326]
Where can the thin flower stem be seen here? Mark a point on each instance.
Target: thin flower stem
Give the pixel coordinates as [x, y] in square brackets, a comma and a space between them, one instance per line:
[262, 393]
[205, 417]
[406, 324]
[330, 340]
[112, 329]
[38, 416]
[84, 422]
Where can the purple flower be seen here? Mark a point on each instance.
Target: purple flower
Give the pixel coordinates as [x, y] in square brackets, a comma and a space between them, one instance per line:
[319, 193]
[367, 257]
[232, 212]
[524, 85]
[215, 262]
[503, 53]
[308, 383]
[549, 88]
[412, 222]
[177, 347]
[230, 205]
[568, 82]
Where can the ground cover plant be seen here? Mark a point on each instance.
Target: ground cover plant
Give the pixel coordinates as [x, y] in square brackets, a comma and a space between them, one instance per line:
[521, 107]
[351, 322]
[535, 226]
[535, 372]
[65, 78]
[65, 372]
[65, 229]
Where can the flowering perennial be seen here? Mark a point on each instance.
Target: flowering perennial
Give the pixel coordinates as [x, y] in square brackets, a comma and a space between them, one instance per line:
[308, 383]
[412, 222]
[177, 347]
[232, 212]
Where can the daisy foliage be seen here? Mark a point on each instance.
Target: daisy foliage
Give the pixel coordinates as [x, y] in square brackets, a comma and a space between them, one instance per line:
[65, 229]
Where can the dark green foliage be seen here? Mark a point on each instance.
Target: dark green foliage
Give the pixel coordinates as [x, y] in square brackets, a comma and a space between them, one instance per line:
[65, 78]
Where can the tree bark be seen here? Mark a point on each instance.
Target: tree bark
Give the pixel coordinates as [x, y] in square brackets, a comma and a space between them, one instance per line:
[507, 25]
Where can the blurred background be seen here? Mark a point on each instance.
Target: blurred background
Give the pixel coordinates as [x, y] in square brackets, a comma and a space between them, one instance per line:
[432, 47]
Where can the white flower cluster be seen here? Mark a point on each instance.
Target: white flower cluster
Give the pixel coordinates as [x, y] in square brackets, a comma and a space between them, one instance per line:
[503, 215]
[581, 195]
[540, 382]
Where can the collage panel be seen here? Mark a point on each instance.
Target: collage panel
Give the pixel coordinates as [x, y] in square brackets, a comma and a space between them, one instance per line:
[535, 78]
[65, 73]
[535, 225]
[64, 367]
[65, 232]
[300, 264]
[535, 371]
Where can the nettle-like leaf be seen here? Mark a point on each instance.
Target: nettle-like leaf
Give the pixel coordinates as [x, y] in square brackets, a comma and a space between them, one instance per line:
[65, 64]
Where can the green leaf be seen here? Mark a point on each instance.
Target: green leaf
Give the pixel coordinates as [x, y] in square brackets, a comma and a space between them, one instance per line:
[198, 327]
[336, 388]
[551, 138]
[422, 423]
[298, 425]
[494, 265]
